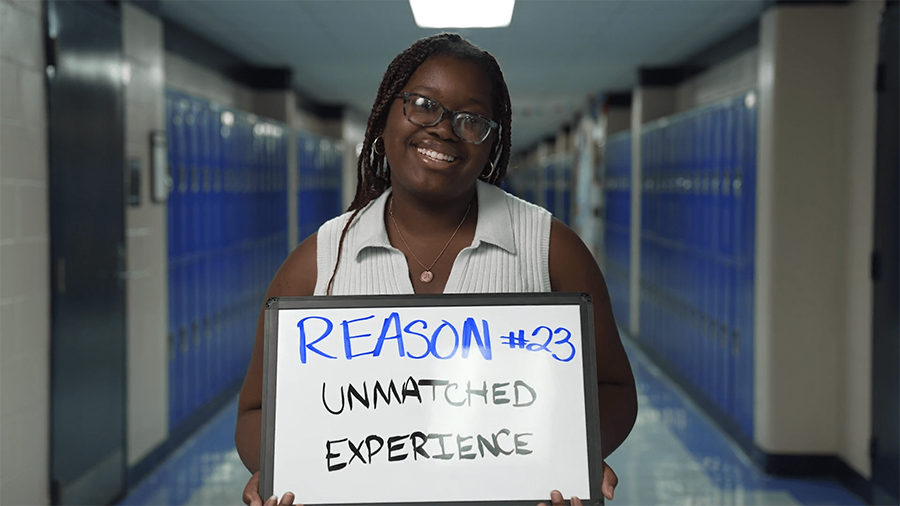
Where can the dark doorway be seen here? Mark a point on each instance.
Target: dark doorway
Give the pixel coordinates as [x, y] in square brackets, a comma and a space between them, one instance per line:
[87, 244]
[886, 269]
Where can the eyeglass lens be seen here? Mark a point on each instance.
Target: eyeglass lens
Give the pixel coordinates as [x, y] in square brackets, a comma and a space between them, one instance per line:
[426, 112]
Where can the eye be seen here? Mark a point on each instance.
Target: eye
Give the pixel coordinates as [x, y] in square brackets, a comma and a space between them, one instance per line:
[424, 103]
[469, 119]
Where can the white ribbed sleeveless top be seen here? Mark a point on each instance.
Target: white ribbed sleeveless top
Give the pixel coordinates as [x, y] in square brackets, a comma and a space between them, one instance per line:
[509, 252]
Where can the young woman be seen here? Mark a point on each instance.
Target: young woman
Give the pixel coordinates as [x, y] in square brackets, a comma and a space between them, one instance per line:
[429, 217]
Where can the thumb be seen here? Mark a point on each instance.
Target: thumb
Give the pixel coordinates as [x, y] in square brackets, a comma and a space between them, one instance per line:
[610, 481]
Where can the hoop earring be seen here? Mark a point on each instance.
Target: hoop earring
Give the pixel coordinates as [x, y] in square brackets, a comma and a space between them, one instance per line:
[491, 173]
[375, 145]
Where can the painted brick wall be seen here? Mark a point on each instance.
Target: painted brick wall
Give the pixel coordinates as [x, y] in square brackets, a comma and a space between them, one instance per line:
[24, 258]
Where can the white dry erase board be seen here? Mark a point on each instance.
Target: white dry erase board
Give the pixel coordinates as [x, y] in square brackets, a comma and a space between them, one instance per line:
[430, 399]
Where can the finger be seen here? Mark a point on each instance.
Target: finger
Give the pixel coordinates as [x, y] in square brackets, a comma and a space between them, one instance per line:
[575, 501]
[610, 481]
[251, 491]
[556, 499]
[272, 501]
[287, 499]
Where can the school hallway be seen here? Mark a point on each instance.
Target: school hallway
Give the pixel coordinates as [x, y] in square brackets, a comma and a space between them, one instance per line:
[732, 166]
[674, 455]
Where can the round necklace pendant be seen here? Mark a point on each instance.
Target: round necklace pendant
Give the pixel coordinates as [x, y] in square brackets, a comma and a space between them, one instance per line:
[426, 276]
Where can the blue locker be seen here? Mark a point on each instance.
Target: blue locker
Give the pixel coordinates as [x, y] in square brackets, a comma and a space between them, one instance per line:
[203, 235]
[706, 322]
[718, 287]
[192, 282]
[717, 267]
[549, 192]
[695, 216]
[173, 116]
[700, 253]
[215, 247]
[725, 242]
[179, 207]
[617, 222]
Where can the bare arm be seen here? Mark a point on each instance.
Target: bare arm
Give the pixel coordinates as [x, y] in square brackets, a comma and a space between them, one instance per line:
[573, 269]
[296, 277]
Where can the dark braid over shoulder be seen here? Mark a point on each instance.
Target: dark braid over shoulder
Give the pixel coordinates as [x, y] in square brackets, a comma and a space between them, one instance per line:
[373, 173]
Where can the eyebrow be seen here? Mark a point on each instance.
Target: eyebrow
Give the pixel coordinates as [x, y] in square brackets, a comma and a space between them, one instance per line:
[427, 90]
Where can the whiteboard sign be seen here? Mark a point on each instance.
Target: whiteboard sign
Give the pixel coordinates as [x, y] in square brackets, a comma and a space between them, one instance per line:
[430, 399]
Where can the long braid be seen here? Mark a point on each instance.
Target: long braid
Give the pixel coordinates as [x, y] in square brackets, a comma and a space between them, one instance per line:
[373, 173]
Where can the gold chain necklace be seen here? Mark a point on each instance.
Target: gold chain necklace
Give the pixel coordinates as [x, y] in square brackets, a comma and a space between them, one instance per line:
[426, 275]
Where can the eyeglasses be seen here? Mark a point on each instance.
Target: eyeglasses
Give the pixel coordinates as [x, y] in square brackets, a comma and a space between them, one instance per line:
[425, 112]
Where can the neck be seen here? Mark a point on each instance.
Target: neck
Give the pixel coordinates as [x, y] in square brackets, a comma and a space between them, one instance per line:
[425, 218]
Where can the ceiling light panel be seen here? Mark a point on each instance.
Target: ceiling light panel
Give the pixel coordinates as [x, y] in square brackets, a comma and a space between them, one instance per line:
[462, 13]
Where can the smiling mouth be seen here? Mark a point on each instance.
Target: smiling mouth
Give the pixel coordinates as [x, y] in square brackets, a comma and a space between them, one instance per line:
[436, 156]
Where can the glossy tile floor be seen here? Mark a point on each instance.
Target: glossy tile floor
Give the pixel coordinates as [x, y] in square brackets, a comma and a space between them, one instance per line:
[674, 455]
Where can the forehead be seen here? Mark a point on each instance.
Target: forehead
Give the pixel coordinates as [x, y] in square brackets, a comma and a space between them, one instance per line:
[452, 80]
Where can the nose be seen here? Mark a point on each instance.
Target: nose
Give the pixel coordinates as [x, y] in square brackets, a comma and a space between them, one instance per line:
[443, 129]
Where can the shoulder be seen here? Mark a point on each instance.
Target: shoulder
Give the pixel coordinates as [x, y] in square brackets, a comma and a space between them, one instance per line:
[572, 266]
[332, 227]
[297, 275]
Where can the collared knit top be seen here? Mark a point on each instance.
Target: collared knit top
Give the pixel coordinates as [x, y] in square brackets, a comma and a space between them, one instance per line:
[509, 252]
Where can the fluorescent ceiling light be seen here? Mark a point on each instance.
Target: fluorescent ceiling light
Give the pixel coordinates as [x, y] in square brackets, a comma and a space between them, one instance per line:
[462, 13]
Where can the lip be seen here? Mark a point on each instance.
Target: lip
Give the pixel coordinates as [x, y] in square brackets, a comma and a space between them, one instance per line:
[439, 147]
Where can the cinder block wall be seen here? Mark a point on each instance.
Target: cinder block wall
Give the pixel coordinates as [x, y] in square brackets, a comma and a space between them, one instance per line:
[24, 258]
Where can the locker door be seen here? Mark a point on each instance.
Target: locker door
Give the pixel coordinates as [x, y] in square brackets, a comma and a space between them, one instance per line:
[204, 233]
[726, 242]
[181, 202]
[706, 319]
[718, 262]
[215, 247]
[172, 244]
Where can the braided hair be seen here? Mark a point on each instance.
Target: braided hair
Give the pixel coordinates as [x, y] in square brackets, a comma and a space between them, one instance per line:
[373, 174]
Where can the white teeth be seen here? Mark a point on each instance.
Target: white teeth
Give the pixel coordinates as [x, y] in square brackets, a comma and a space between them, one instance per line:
[430, 153]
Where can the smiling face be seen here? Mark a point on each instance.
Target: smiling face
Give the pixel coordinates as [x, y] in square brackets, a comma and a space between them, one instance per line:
[433, 163]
